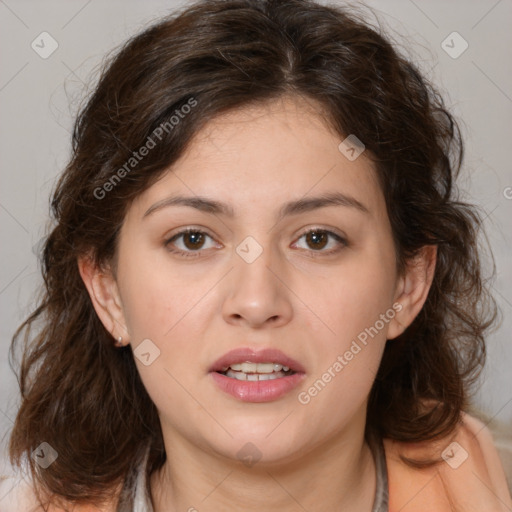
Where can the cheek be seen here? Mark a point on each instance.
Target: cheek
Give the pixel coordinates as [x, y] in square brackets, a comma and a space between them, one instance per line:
[149, 305]
[351, 298]
[357, 312]
[371, 281]
[162, 305]
[347, 361]
[155, 296]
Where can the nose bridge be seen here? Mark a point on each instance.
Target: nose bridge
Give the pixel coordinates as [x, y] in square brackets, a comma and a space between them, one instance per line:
[253, 263]
[257, 292]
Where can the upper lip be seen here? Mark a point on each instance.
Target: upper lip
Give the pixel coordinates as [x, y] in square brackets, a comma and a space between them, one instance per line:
[246, 354]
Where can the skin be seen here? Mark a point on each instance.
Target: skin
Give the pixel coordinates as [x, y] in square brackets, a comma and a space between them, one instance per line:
[195, 309]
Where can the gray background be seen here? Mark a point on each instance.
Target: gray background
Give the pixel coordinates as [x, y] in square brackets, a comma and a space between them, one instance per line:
[39, 97]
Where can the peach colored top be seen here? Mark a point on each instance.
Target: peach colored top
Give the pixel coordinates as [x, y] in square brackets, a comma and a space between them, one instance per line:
[470, 476]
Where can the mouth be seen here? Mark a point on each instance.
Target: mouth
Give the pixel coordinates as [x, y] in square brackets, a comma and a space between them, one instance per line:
[256, 371]
[256, 376]
[251, 364]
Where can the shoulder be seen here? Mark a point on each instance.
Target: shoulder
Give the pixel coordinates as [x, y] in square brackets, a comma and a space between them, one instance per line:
[17, 495]
[502, 435]
[468, 472]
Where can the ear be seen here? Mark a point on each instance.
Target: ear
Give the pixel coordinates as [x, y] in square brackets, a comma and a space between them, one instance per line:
[103, 290]
[412, 290]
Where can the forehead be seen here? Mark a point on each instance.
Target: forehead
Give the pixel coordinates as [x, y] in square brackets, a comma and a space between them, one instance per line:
[267, 154]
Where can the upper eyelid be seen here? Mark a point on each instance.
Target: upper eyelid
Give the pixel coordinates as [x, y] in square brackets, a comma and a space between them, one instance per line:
[302, 231]
[186, 230]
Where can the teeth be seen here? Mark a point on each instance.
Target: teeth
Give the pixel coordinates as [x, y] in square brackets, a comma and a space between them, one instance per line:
[236, 375]
[256, 371]
[248, 367]
[254, 376]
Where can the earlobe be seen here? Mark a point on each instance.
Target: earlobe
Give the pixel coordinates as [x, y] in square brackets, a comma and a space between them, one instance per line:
[412, 289]
[104, 294]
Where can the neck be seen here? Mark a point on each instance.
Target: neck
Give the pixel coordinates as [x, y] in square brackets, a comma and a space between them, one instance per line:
[336, 475]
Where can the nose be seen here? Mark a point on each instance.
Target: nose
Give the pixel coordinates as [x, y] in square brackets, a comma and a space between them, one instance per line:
[257, 293]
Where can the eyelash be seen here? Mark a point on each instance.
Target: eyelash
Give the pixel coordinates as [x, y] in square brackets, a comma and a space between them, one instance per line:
[195, 254]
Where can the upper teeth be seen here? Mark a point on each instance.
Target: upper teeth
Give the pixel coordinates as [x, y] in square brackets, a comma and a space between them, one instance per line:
[257, 367]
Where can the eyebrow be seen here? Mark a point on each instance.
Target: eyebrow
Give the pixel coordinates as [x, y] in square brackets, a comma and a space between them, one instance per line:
[302, 205]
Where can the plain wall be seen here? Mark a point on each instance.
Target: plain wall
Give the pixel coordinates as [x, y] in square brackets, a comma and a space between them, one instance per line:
[39, 97]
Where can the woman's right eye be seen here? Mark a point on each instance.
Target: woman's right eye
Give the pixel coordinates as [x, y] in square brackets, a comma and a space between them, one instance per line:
[192, 240]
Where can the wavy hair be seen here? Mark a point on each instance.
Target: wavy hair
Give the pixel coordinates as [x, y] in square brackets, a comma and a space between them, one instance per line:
[84, 396]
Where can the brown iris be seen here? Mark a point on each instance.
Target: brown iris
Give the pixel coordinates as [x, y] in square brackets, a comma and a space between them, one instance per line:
[196, 237]
[316, 237]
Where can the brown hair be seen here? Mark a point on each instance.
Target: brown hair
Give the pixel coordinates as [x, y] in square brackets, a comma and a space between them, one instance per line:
[81, 394]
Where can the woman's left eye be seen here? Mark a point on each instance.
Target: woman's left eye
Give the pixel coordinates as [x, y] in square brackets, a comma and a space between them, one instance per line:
[193, 241]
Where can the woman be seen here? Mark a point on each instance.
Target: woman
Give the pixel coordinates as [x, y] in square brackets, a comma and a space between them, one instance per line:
[261, 291]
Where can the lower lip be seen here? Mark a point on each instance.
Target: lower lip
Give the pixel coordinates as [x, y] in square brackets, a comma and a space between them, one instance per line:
[257, 391]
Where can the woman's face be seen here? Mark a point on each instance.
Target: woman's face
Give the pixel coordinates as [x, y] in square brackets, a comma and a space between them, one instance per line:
[254, 279]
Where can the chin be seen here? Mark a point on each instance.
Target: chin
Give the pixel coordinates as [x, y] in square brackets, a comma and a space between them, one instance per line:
[266, 445]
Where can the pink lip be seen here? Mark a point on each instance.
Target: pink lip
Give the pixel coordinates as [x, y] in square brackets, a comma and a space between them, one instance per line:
[256, 391]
